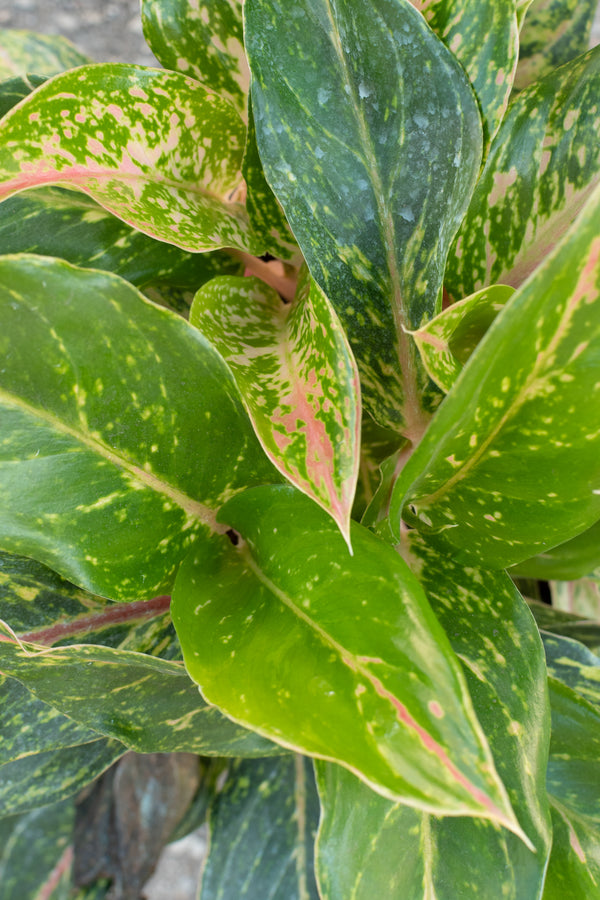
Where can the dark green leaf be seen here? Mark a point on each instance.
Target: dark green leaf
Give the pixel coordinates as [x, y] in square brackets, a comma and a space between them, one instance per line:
[22, 52]
[567, 562]
[556, 621]
[573, 664]
[13, 90]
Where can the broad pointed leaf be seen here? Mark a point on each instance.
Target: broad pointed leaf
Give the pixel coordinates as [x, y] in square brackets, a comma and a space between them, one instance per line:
[339, 124]
[554, 32]
[508, 468]
[263, 823]
[13, 90]
[581, 597]
[204, 40]
[568, 561]
[298, 379]
[483, 35]
[101, 410]
[54, 222]
[448, 341]
[363, 674]
[574, 665]
[155, 148]
[543, 166]
[22, 52]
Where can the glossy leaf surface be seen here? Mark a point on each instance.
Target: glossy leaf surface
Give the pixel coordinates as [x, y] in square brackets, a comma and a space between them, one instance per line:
[153, 147]
[13, 90]
[507, 467]
[133, 491]
[338, 125]
[262, 825]
[567, 562]
[574, 665]
[204, 40]
[23, 52]
[557, 621]
[297, 378]
[543, 166]
[351, 642]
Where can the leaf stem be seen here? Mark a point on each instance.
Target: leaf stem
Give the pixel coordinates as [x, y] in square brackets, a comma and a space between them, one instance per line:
[285, 285]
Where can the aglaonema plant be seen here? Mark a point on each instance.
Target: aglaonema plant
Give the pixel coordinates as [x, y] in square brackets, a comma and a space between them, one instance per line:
[300, 405]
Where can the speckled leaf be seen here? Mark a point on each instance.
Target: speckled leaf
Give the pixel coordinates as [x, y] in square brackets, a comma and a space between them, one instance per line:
[262, 825]
[102, 409]
[508, 468]
[365, 676]
[339, 124]
[24, 874]
[148, 704]
[557, 621]
[298, 379]
[554, 32]
[55, 222]
[573, 664]
[568, 561]
[581, 597]
[13, 90]
[448, 341]
[573, 779]
[54, 775]
[203, 39]
[22, 52]
[155, 148]
[543, 165]
[483, 35]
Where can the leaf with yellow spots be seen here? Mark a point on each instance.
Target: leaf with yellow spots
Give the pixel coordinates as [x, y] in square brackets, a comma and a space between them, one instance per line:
[265, 809]
[509, 467]
[25, 52]
[484, 37]
[359, 672]
[558, 621]
[554, 32]
[543, 166]
[446, 343]
[297, 378]
[155, 148]
[340, 123]
[567, 562]
[124, 406]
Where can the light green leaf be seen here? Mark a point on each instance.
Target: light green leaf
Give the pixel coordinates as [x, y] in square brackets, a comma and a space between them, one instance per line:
[554, 32]
[155, 148]
[568, 561]
[13, 90]
[508, 468]
[339, 123]
[448, 341]
[22, 52]
[262, 824]
[66, 224]
[101, 410]
[297, 378]
[364, 675]
[543, 166]
[483, 35]
[203, 39]
[574, 665]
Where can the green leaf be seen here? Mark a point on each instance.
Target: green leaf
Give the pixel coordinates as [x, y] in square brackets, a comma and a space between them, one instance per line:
[262, 829]
[137, 450]
[557, 621]
[554, 32]
[568, 561]
[543, 166]
[155, 148]
[581, 596]
[483, 35]
[298, 379]
[68, 225]
[507, 468]
[148, 704]
[574, 665]
[339, 123]
[446, 343]
[22, 52]
[204, 40]
[364, 674]
[13, 90]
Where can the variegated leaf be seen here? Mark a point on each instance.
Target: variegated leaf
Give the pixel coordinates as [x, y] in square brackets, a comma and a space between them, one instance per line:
[297, 378]
[262, 823]
[446, 343]
[203, 39]
[573, 664]
[557, 621]
[543, 166]
[569, 561]
[364, 674]
[508, 468]
[155, 148]
[13, 90]
[339, 124]
[22, 52]
[71, 226]
[139, 458]
[554, 32]
[484, 37]
[581, 597]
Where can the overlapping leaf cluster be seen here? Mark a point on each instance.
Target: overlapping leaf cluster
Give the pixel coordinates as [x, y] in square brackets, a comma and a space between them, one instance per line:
[298, 524]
